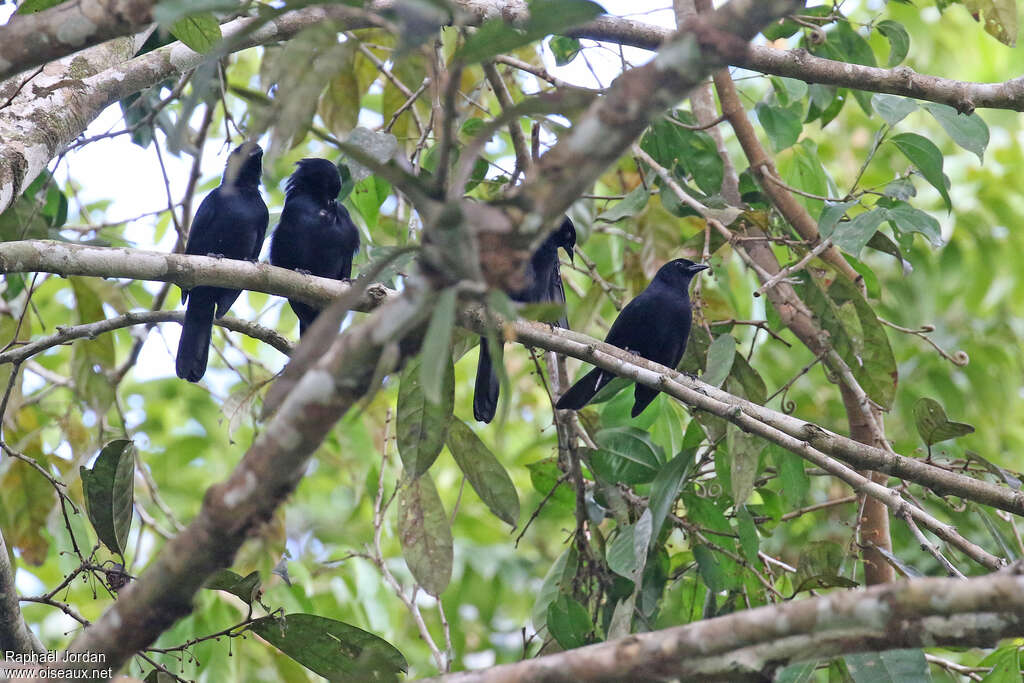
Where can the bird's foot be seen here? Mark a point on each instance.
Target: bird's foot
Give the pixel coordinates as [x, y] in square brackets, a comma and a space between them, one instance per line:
[303, 271]
[213, 255]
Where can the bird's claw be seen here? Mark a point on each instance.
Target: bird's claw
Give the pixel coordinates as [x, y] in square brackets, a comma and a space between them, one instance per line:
[303, 271]
[214, 255]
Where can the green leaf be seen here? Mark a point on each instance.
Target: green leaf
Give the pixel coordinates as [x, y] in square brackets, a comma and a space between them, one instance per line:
[436, 355]
[967, 130]
[905, 218]
[245, 588]
[802, 672]
[546, 17]
[852, 236]
[631, 205]
[900, 188]
[856, 50]
[340, 102]
[749, 539]
[109, 489]
[666, 487]
[721, 355]
[927, 158]
[333, 649]
[694, 150]
[485, 473]
[893, 108]
[890, 666]
[744, 455]
[626, 455]
[782, 126]
[801, 168]
[425, 534]
[559, 577]
[544, 475]
[564, 49]
[857, 335]
[422, 425]
[33, 6]
[569, 622]
[933, 425]
[899, 40]
[1005, 663]
[367, 197]
[198, 31]
[792, 475]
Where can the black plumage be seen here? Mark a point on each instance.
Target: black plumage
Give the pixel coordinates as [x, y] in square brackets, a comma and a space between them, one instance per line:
[543, 284]
[316, 235]
[231, 223]
[655, 325]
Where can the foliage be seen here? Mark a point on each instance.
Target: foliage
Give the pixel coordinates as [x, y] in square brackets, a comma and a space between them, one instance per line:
[672, 517]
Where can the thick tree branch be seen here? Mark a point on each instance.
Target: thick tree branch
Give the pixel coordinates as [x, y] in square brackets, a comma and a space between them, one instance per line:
[30, 40]
[56, 257]
[753, 644]
[965, 96]
[15, 634]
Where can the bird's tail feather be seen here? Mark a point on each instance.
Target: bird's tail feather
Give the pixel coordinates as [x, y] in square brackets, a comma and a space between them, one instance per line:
[581, 393]
[485, 392]
[194, 344]
[642, 398]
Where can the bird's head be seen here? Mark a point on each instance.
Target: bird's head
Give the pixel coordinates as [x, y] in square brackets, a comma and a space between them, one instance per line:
[679, 272]
[245, 164]
[565, 236]
[316, 177]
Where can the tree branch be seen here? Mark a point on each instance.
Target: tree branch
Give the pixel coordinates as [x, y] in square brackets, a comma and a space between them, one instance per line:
[753, 644]
[30, 40]
[56, 257]
[15, 634]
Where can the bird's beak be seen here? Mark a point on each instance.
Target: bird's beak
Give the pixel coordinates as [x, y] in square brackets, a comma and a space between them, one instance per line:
[697, 267]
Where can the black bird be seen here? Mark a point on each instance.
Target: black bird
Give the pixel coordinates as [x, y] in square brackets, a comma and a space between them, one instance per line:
[316, 235]
[231, 222]
[655, 325]
[543, 283]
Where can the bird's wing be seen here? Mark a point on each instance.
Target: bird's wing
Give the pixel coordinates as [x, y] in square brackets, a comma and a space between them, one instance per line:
[199, 233]
[556, 294]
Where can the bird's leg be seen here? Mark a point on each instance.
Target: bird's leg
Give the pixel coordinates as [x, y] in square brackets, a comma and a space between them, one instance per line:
[214, 255]
[303, 271]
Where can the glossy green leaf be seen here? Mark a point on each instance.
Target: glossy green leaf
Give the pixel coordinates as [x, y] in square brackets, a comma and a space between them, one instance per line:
[626, 455]
[333, 649]
[545, 475]
[564, 49]
[109, 488]
[744, 455]
[693, 150]
[425, 534]
[422, 425]
[631, 205]
[905, 218]
[246, 588]
[721, 355]
[967, 130]
[367, 197]
[792, 475]
[899, 40]
[853, 235]
[893, 108]
[558, 578]
[666, 487]
[782, 126]
[933, 425]
[485, 473]
[569, 622]
[436, 354]
[890, 666]
[198, 31]
[495, 36]
[927, 158]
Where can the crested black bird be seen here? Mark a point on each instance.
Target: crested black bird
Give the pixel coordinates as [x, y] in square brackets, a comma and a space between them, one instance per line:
[543, 283]
[655, 325]
[231, 223]
[316, 235]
